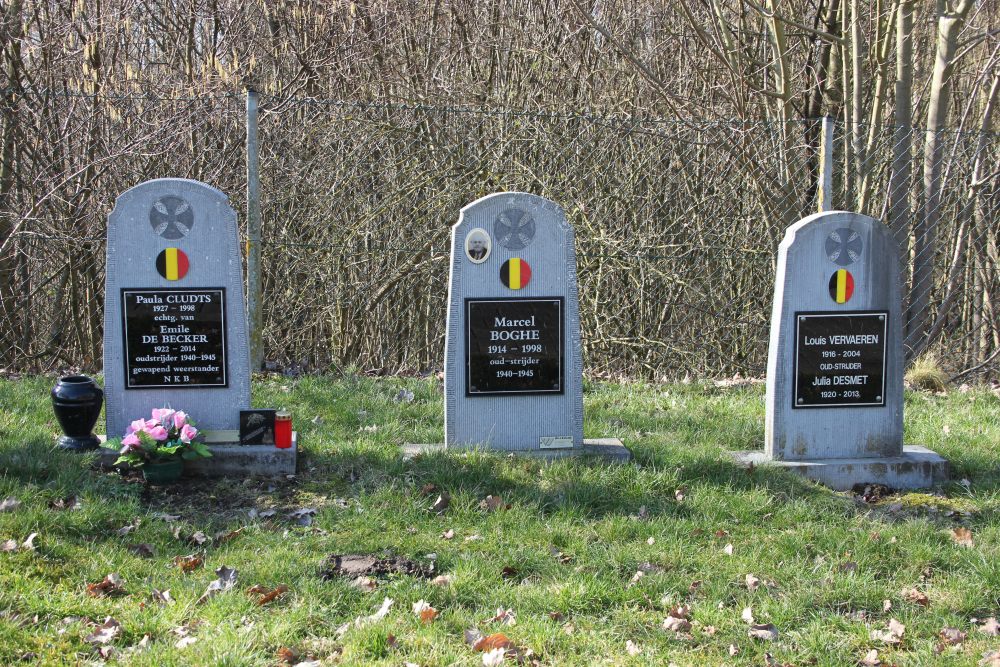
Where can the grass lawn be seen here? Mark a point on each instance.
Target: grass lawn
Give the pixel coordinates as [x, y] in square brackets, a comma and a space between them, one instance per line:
[563, 556]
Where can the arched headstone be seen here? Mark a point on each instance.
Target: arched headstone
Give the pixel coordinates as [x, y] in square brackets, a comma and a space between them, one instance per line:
[835, 360]
[175, 328]
[513, 368]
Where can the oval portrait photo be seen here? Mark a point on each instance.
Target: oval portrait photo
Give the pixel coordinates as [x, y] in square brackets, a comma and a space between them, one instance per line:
[477, 245]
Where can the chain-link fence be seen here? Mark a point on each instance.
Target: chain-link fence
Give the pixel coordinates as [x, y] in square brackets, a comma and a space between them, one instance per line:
[677, 225]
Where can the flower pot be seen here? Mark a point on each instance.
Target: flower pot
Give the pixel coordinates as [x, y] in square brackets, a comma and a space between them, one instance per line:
[163, 473]
[76, 400]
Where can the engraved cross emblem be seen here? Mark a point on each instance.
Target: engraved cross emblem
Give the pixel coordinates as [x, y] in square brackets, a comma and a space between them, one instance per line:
[171, 217]
[844, 246]
[514, 228]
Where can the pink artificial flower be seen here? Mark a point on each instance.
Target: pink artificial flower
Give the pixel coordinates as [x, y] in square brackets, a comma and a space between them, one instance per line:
[130, 442]
[158, 433]
[137, 425]
[180, 419]
[188, 433]
[150, 425]
[163, 415]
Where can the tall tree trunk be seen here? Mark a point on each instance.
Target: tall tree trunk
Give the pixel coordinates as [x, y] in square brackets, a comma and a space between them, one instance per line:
[11, 315]
[902, 135]
[951, 18]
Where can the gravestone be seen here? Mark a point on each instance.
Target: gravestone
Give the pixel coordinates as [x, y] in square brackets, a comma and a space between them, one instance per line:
[834, 399]
[175, 328]
[513, 365]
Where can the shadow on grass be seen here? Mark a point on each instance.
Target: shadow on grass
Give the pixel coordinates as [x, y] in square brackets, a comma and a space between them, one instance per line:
[589, 487]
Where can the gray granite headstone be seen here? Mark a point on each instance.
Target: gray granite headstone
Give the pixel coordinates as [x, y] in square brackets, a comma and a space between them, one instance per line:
[175, 328]
[835, 363]
[513, 366]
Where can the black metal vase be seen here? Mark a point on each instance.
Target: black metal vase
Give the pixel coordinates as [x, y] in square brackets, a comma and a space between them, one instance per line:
[76, 400]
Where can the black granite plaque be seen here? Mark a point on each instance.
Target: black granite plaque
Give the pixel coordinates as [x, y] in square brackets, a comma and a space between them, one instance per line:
[174, 338]
[840, 359]
[514, 346]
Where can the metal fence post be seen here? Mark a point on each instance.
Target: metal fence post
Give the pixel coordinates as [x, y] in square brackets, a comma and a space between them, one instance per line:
[254, 314]
[824, 197]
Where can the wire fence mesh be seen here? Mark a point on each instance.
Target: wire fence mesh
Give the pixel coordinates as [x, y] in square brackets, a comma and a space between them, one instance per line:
[677, 224]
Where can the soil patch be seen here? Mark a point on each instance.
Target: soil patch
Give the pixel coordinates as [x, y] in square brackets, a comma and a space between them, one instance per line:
[367, 565]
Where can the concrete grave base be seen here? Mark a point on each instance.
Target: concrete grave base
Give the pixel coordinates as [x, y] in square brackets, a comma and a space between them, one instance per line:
[229, 458]
[608, 448]
[917, 468]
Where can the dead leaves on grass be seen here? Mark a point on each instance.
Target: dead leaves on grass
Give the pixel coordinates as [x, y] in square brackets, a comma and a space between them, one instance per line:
[990, 627]
[962, 537]
[10, 546]
[104, 632]
[492, 504]
[362, 621]
[111, 585]
[265, 595]
[892, 635]
[226, 579]
[678, 619]
[424, 611]
[189, 563]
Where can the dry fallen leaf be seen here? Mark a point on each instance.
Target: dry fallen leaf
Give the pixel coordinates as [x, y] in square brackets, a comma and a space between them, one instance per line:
[163, 597]
[491, 503]
[442, 580]
[143, 550]
[366, 620]
[364, 584]
[651, 541]
[9, 504]
[734, 650]
[886, 606]
[747, 616]
[870, 659]
[728, 549]
[287, 655]
[631, 648]
[765, 631]
[188, 563]
[990, 627]
[962, 536]
[67, 503]
[952, 636]
[266, 594]
[185, 642]
[448, 534]
[8, 546]
[224, 536]
[29, 543]
[424, 611]
[678, 619]
[915, 596]
[990, 659]
[226, 580]
[894, 635]
[679, 494]
[494, 657]
[105, 632]
[112, 584]
[753, 583]
[503, 616]
[492, 642]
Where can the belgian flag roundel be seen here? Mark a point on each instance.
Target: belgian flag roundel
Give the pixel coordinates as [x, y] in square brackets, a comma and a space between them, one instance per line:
[515, 273]
[841, 286]
[172, 264]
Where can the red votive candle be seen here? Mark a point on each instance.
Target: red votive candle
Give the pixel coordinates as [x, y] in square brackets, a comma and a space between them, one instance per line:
[283, 429]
